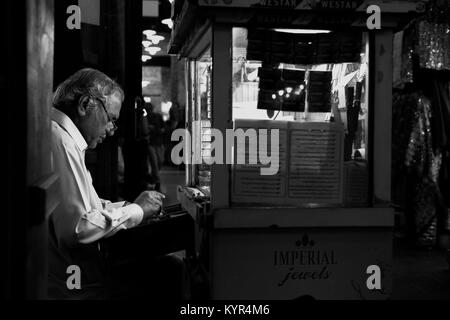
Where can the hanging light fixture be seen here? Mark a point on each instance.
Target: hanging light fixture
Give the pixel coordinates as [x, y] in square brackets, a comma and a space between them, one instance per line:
[156, 38]
[146, 43]
[168, 22]
[149, 33]
[153, 50]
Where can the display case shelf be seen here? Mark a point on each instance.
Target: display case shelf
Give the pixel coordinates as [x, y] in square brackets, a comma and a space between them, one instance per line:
[302, 217]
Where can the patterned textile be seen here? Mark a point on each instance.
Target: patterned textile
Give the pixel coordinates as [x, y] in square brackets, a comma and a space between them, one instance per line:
[415, 160]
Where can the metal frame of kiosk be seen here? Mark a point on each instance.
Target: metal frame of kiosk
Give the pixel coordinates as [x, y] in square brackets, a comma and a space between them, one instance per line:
[275, 252]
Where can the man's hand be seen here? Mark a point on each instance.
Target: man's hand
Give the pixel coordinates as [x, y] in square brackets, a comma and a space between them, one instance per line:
[151, 203]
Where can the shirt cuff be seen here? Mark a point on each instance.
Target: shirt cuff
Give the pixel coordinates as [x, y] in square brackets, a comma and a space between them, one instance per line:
[135, 213]
[104, 203]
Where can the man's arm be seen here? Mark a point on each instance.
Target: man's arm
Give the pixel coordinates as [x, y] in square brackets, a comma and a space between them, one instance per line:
[104, 223]
[76, 221]
[99, 224]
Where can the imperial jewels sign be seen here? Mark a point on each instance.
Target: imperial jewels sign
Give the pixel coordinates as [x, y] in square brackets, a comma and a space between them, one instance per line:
[304, 261]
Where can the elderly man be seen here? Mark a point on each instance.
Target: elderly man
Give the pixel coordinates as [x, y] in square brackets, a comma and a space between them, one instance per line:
[86, 107]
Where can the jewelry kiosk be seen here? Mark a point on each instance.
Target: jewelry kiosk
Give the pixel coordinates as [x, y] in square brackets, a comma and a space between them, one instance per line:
[321, 225]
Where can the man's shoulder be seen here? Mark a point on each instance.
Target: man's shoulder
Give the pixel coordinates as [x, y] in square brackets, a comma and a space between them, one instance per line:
[61, 138]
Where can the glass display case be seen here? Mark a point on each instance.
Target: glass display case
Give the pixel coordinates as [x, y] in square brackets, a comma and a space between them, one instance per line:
[312, 88]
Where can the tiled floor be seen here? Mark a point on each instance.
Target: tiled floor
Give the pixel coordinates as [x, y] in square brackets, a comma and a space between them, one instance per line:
[417, 274]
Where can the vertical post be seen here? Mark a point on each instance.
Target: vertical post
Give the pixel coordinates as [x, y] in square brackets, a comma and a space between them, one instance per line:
[13, 83]
[221, 109]
[382, 116]
[26, 83]
[133, 152]
[188, 117]
[40, 35]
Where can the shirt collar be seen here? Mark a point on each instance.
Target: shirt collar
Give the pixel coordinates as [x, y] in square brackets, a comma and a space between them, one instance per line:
[67, 124]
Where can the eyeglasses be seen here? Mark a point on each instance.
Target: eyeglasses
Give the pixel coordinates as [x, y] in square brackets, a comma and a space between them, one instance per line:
[115, 127]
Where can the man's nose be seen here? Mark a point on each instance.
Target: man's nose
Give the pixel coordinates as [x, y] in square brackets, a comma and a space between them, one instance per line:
[110, 129]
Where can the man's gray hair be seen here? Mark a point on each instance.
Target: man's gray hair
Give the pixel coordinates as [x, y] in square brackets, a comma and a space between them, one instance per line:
[85, 82]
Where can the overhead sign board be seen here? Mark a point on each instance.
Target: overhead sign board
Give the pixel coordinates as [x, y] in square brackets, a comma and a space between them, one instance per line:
[392, 6]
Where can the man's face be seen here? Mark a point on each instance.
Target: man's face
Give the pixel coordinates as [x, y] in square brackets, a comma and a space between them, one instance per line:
[95, 125]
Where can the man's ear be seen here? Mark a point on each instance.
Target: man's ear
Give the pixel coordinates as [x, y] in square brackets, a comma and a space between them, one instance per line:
[83, 105]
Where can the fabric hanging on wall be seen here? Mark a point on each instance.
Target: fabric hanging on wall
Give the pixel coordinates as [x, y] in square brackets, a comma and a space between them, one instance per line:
[441, 123]
[403, 57]
[421, 137]
[433, 45]
[435, 84]
[423, 44]
[417, 165]
[441, 108]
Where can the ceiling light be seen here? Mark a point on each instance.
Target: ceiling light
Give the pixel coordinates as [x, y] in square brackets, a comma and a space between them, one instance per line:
[168, 22]
[156, 38]
[153, 50]
[145, 83]
[149, 33]
[147, 99]
[145, 58]
[146, 43]
[302, 31]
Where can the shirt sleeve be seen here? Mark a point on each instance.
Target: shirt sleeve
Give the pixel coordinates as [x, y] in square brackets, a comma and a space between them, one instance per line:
[98, 224]
[104, 202]
[75, 221]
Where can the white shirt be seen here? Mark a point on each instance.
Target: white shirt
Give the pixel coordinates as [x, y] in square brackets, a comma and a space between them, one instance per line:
[80, 218]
